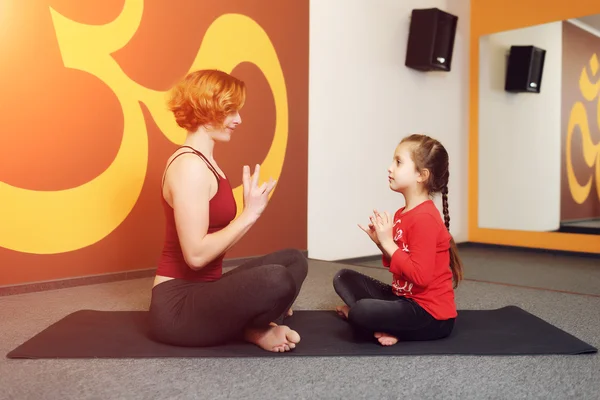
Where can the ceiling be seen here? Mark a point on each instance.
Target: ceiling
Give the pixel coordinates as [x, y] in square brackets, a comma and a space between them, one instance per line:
[592, 21]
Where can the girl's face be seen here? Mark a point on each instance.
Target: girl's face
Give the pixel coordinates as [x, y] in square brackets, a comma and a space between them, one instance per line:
[402, 173]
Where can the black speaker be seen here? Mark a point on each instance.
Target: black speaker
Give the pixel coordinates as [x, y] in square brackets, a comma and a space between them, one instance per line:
[431, 40]
[524, 69]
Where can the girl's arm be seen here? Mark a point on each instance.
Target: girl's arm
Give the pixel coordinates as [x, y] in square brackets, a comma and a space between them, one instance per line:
[385, 256]
[416, 261]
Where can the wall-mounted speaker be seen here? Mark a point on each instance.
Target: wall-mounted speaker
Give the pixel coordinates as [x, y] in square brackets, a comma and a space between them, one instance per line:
[431, 40]
[524, 69]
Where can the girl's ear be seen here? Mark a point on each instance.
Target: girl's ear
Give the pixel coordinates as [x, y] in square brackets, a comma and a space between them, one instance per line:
[423, 176]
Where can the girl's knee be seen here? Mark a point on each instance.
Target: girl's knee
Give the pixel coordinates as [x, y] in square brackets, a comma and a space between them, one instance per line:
[362, 313]
[339, 278]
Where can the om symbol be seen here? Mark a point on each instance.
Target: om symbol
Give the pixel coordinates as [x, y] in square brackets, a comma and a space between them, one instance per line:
[591, 150]
[51, 222]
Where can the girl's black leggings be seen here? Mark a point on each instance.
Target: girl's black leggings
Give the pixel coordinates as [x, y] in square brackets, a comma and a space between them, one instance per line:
[184, 313]
[375, 308]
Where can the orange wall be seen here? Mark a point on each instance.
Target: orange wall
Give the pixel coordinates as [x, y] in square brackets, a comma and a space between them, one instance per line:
[84, 133]
[490, 16]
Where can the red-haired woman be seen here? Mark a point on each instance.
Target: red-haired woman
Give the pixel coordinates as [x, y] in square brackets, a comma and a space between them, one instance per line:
[193, 303]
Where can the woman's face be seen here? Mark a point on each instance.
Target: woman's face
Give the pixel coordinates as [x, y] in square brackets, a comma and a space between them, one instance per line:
[231, 122]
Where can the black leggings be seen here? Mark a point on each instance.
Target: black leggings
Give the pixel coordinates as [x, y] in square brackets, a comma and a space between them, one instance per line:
[375, 308]
[258, 292]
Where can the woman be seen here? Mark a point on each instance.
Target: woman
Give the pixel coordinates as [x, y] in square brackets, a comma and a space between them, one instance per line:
[193, 303]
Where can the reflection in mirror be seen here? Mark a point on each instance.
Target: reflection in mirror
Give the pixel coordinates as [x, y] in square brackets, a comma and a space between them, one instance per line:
[539, 128]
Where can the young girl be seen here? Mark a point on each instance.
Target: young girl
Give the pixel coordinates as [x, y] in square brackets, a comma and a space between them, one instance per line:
[418, 250]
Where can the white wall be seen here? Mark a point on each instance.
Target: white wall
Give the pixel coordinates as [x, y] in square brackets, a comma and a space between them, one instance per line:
[362, 101]
[519, 136]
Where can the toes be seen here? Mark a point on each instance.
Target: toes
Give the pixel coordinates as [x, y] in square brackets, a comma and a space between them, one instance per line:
[282, 348]
[387, 341]
[342, 312]
[292, 336]
[384, 341]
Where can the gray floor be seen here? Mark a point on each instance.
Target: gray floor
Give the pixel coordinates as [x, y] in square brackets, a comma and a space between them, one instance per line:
[544, 377]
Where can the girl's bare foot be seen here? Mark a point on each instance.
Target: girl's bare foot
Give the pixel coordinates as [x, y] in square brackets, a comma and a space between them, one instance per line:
[386, 339]
[276, 338]
[343, 311]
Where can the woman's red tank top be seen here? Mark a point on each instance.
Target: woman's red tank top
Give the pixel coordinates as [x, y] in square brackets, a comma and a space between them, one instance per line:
[222, 210]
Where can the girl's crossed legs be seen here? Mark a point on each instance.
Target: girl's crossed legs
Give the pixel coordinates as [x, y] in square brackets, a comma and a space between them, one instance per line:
[372, 308]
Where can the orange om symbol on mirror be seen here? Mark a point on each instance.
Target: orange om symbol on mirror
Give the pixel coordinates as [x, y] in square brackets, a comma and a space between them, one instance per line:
[590, 90]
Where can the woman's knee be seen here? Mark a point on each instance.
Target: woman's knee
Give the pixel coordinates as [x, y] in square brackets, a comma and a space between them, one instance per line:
[297, 257]
[290, 254]
[302, 264]
[295, 253]
[279, 281]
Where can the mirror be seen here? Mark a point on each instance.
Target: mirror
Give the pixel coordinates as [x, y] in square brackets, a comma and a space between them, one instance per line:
[539, 148]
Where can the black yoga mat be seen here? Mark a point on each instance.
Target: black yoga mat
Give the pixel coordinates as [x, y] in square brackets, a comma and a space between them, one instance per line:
[123, 334]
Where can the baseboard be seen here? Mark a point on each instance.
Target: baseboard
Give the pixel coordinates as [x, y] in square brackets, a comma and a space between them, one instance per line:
[97, 279]
[358, 260]
[42, 286]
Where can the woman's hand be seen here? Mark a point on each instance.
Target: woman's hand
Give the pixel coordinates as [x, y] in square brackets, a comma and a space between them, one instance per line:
[256, 197]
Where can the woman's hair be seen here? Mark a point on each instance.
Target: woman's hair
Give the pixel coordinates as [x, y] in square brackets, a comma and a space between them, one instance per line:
[427, 153]
[206, 97]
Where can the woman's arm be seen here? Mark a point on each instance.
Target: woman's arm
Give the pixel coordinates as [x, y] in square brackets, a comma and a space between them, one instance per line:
[190, 183]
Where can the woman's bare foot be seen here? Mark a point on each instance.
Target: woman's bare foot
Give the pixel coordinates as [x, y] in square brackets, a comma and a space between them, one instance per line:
[343, 311]
[386, 339]
[276, 338]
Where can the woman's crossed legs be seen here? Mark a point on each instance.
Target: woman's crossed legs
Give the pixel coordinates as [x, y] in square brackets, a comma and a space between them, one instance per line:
[247, 302]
